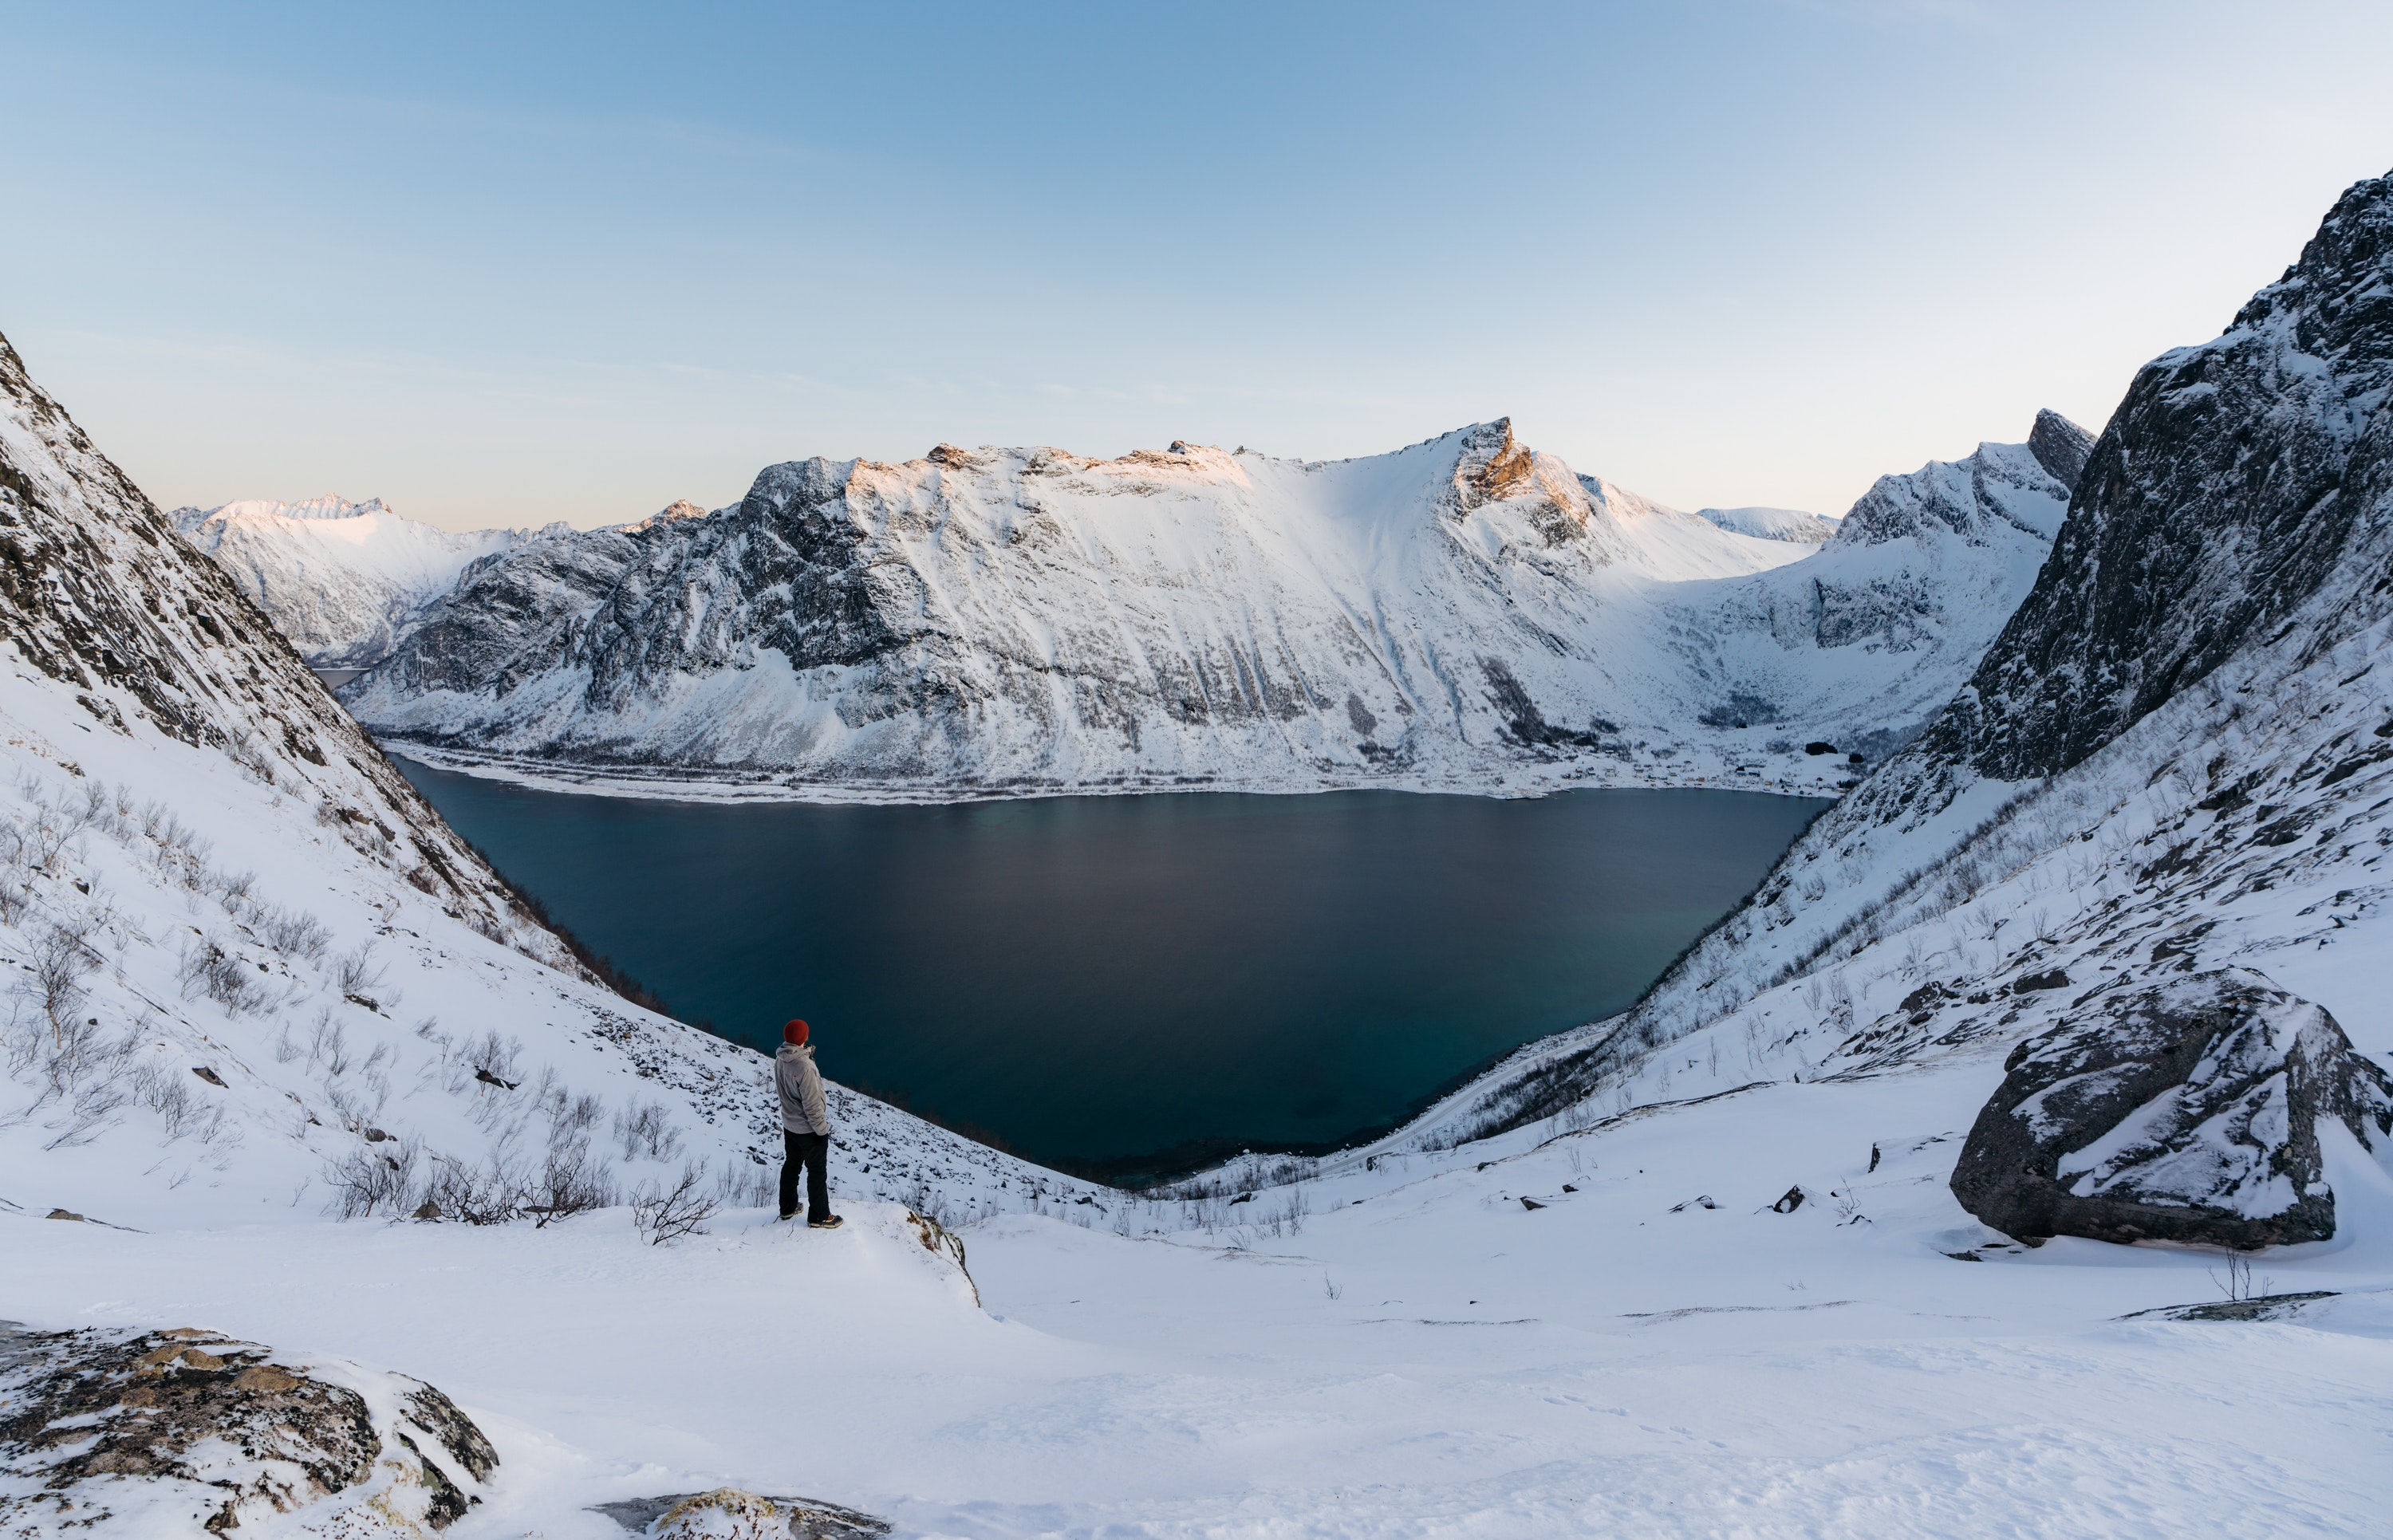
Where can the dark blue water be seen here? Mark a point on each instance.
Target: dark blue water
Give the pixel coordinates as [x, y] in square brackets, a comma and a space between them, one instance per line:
[1108, 980]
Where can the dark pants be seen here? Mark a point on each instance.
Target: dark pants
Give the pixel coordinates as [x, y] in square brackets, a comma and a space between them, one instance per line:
[810, 1153]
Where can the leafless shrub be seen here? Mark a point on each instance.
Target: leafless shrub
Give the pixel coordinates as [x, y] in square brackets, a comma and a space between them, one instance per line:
[168, 1093]
[208, 969]
[355, 972]
[494, 1056]
[69, 1055]
[489, 1194]
[251, 761]
[574, 1116]
[88, 1108]
[572, 1181]
[665, 1212]
[744, 1184]
[328, 1045]
[647, 1132]
[61, 960]
[294, 934]
[376, 1178]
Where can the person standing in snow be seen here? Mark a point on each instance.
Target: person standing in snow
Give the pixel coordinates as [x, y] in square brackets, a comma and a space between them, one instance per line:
[805, 1129]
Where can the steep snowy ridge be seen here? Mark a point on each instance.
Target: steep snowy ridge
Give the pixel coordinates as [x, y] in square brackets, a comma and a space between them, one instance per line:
[1465, 613]
[342, 580]
[1786, 524]
[2174, 759]
[218, 897]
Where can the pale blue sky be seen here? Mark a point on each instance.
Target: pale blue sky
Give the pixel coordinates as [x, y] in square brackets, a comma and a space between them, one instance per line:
[509, 264]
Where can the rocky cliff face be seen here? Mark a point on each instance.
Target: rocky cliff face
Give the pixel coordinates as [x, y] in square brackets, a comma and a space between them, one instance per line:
[2220, 499]
[1467, 611]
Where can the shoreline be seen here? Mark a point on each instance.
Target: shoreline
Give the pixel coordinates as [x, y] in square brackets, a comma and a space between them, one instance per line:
[755, 786]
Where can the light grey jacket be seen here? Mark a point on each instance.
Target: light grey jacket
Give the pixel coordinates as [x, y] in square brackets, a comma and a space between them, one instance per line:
[800, 1086]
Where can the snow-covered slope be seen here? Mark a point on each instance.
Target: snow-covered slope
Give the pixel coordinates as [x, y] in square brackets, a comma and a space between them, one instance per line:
[1465, 613]
[342, 580]
[1786, 524]
[257, 972]
[2177, 758]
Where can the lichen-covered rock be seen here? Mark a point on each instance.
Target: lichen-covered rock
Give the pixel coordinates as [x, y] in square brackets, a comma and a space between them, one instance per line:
[728, 1513]
[189, 1431]
[2183, 1111]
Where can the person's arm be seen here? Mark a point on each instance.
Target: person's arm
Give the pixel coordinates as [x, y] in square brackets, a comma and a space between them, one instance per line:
[810, 1094]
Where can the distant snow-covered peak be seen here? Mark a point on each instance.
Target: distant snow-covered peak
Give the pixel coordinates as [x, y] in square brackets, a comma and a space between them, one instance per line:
[1786, 524]
[340, 579]
[254, 509]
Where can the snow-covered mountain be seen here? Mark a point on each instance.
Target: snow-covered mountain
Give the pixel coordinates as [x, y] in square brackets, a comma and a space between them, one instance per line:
[1786, 524]
[1464, 613]
[343, 581]
[2109, 936]
[254, 959]
[2143, 848]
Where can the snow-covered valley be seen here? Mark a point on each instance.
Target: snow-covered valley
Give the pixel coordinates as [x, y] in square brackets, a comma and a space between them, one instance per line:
[1704, 1268]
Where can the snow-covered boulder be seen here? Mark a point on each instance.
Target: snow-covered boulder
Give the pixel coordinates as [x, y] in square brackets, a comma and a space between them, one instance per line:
[2187, 1110]
[187, 1431]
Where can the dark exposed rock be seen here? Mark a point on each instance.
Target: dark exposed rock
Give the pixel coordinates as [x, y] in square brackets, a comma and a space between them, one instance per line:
[2060, 446]
[228, 1433]
[803, 1518]
[2213, 505]
[2182, 1111]
[2260, 1306]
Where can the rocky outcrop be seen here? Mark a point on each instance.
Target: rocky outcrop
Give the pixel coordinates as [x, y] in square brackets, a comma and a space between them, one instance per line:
[2215, 503]
[2184, 1111]
[728, 1513]
[189, 1431]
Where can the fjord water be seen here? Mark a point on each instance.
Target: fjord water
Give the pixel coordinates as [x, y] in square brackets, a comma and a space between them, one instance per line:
[1128, 982]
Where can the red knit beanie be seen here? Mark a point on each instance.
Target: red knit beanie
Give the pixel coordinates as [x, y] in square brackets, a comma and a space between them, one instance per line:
[794, 1032]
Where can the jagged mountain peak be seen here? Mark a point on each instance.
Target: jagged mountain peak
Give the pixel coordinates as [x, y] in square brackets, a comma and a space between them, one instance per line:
[2060, 446]
[2213, 505]
[1995, 484]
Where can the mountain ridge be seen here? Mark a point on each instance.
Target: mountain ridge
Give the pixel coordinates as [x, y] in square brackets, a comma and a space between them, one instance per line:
[1463, 613]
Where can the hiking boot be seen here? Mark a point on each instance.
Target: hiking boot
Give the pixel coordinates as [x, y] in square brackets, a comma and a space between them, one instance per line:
[830, 1223]
[786, 1218]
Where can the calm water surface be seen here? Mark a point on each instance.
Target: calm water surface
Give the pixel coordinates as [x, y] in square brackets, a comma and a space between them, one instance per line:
[1120, 981]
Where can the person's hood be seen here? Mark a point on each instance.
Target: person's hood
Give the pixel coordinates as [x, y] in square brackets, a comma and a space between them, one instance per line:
[792, 1051]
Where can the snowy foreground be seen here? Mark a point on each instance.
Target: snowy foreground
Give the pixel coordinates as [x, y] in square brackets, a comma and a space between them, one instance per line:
[1427, 1356]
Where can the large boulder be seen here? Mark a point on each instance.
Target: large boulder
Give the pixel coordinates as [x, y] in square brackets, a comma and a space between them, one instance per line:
[190, 1432]
[2182, 1111]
